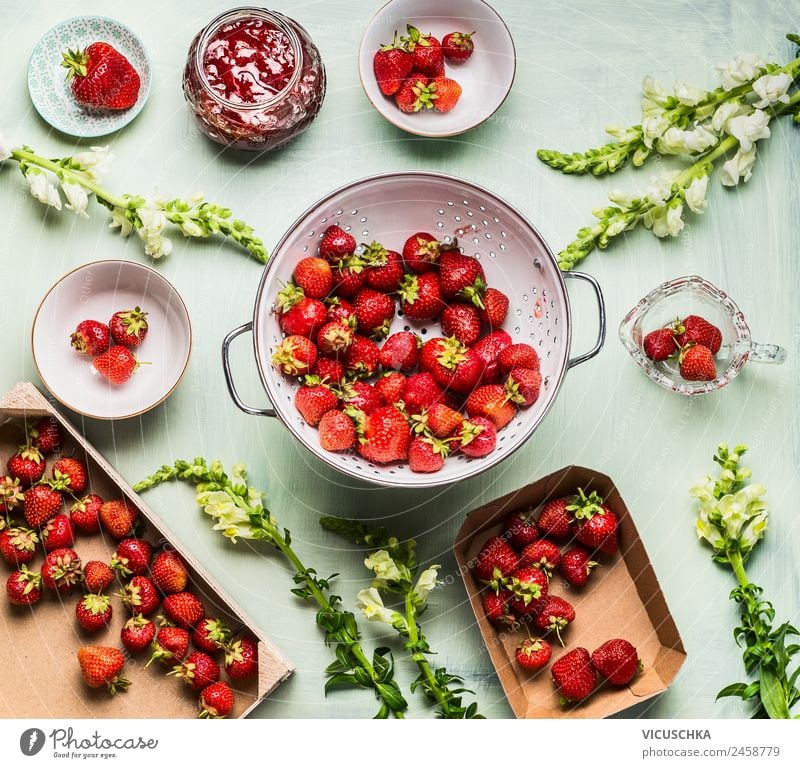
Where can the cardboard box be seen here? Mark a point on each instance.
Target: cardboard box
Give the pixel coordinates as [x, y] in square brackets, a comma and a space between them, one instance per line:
[41, 676]
[621, 599]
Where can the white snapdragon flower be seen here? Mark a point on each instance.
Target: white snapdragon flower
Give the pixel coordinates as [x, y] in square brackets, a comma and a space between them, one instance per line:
[426, 583]
[695, 194]
[233, 521]
[95, 163]
[677, 142]
[370, 603]
[120, 219]
[654, 125]
[42, 189]
[772, 89]
[622, 199]
[654, 92]
[727, 110]
[191, 228]
[660, 187]
[740, 70]
[749, 129]
[77, 199]
[740, 166]
[665, 220]
[384, 566]
[154, 222]
[688, 94]
[621, 133]
[7, 146]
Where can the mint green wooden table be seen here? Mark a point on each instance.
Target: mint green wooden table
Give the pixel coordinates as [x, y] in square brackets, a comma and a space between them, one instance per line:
[578, 69]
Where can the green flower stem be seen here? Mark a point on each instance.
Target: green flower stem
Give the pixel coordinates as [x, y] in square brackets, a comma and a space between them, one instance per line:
[737, 565]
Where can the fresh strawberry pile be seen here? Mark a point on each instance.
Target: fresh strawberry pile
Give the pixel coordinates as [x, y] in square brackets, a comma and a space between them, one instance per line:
[412, 70]
[110, 345]
[147, 580]
[404, 400]
[517, 569]
[693, 340]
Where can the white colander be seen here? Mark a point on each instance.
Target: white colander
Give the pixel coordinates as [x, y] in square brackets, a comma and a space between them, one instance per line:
[388, 208]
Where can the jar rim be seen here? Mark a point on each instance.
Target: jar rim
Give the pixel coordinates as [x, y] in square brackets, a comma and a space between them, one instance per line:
[281, 22]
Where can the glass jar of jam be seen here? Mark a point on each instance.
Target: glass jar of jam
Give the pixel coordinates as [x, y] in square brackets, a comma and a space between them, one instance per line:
[254, 79]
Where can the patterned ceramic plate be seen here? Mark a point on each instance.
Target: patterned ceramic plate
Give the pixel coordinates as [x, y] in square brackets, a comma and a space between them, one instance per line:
[50, 91]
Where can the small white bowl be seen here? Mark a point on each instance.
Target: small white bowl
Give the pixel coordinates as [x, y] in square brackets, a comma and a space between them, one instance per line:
[486, 77]
[95, 291]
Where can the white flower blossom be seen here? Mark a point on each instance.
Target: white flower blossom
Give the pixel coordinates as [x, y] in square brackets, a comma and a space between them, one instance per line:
[665, 220]
[120, 219]
[42, 189]
[740, 70]
[370, 603]
[622, 199]
[660, 188]
[688, 94]
[772, 89]
[7, 146]
[616, 226]
[695, 194]
[654, 92]
[77, 199]
[749, 128]
[676, 141]
[426, 583]
[384, 566]
[191, 228]
[621, 133]
[726, 111]
[740, 166]
[95, 163]
[153, 221]
[233, 521]
[654, 125]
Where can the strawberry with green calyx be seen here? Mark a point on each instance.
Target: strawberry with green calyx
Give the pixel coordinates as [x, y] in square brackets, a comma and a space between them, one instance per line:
[491, 401]
[313, 400]
[102, 666]
[660, 344]
[340, 309]
[210, 635]
[198, 669]
[523, 385]
[335, 337]
[697, 330]
[57, 534]
[390, 387]
[488, 349]
[91, 338]
[384, 268]
[46, 435]
[140, 596]
[129, 327]
[421, 296]
[478, 437]
[427, 51]
[573, 675]
[595, 524]
[374, 312]
[696, 363]
[97, 576]
[439, 420]
[132, 557]
[360, 395]
[137, 633]
[93, 612]
[555, 519]
[299, 315]
[18, 545]
[101, 77]
[495, 308]
[349, 276]
[216, 700]
[392, 64]
[23, 587]
[495, 560]
[446, 93]
[169, 573]
[452, 365]
[27, 465]
[421, 251]
[295, 356]
[497, 609]
[336, 244]
[329, 370]
[337, 432]
[427, 454]
[554, 615]
[461, 276]
[521, 529]
[462, 321]
[617, 660]
[421, 391]
[543, 554]
[241, 659]
[85, 512]
[362, 358]
[386, 436]
[457, 47]
[72, 473]
[170, 645]
[11, 495]
[527, 586]
[62, 570]
[415, 94]
[576, 566]
[533, 653]
[117, 365]
[41, 502]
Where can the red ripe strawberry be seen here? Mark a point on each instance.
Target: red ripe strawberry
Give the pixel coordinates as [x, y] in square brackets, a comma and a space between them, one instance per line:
[171, 644]
[132, 557]
[541, 554]
[118, 517]
[520, 529]
[97, 576]
[198, 669]
[495, 307]
[573, 675]
[340, 309]
[497, 558]
[523, 385]
[23, 587]
[27, 465]
[216, 700]
[129, 327]
[415, 94]
[314, 277]
[446, 93]
[46, 435]
[91, 338]
[457, 46]
[336, 432]
[461, 277]
[314, 400]
[390, 387]
[488, 349]
[101, 77]
[102, 666]
[595, 523]
[555, 519]
[528, 586]
[384, 268]
[84, 514]
[400, 352]
[169, 573]
[617, 660]
[386, 436]
[427, 50]
[11, 495]
[439, 420]
[463, 322]
[18, 545]
[241, 659]
[361, 359]
[40, 504]
[576, 565]
[328, 370]
[478, 437]
[62, 570]
[336, 244]
[73, 473]
[137, 633]
[518, 356]
[139, 595]
[420, 392]
[700, 331]
[360, 395]
[184, 609]
[295, 356]
[660, 344]
[117, 365]
[374, 312]
[57, 534]
[334, 338]
[349, 277]
[93, 612]
[211, 634]
[697, 363]
[421, 252]
[533, 653]
[492, 402]
[392, 64]
[299, 315]
[554, 615]
[456, 368]
[497, 610]
[427, 454]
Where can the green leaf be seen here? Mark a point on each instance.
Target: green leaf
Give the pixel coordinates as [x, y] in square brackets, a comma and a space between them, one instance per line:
[383, 663]
[392, 696]
[340, 680]
[772, 696]
[735, 689]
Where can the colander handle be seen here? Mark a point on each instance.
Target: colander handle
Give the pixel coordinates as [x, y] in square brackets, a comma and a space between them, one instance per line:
[601, 310]
[226, 367]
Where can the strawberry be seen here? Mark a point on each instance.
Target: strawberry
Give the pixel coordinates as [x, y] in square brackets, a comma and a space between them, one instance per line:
[334, 338]
[18, 545]
[595, 523]
[216, 700]
[139, 595]
[554, 615]
[118, 517]
[211, 634]
[421, 252]
[461, 277]
[528, 586]
[427, 454]
[421, 391]
[97, 576]
[169, 573]
[446, 93]
[102, 666]
[91, 338]
[439, 420]
[518, 356]
[101, 77]
[451, 364]
[400, 352]
[349, 277]
[93, 612]
[61, 570]
[336, 432]
[386, 436]
[495, 307]
[361, 359]
[314, 401]
[128, 327]
[496, 559]
[415, 94]
[696, 363]
[295, 356]
[46, 435]
[340, 309]
[492, 402]
[41, 503]
[11, 495]
[533, 653]
[463, 322]
[427, 50]
[478, 437]
[573, 675]
[137, 633]
[555, 519]
[132, 557]
[497, 610]
[541, 554]
[184, 609]
[457, 46]
[117, 365]
[392, 64]
[241, 659]
[171, 644]
[374, 312]
[23, 587]
[523, 385]
[390, 387]
[57, 534]
[73, 473]
[360, 395]
[84, 514]
[27, 465]
[617, 660]
[299, 315]
[384, 268]
[521, 529]
[314, 277]
[336, 244]
[700, 331]
[660, 344]
[488, 349]
[198, 669]
[328, 370]
[576, 565]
